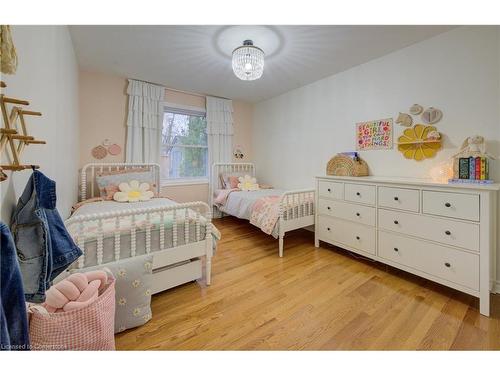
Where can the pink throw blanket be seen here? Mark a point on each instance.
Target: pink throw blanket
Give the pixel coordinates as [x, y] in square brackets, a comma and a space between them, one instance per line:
[265, 213]
[223, 195]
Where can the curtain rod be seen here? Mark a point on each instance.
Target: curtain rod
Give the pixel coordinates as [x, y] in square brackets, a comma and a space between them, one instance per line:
[195, 93]
[182, 91]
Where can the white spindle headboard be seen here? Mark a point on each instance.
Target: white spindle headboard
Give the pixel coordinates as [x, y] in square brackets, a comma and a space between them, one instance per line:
[88, 185]
[218, 168]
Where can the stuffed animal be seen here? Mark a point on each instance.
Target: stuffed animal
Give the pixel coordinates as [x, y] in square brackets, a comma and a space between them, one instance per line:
[475, 145]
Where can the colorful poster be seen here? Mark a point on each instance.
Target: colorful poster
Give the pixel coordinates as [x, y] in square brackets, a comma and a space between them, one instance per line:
[374, 135]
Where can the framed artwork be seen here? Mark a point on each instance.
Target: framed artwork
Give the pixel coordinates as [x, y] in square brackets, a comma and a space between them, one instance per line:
[374, 135]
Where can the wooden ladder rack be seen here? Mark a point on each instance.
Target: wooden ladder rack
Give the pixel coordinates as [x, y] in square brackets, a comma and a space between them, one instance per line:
[10, 137]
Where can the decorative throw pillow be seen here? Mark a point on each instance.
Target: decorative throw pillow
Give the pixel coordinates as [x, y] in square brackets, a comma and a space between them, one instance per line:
[108, 182]
[248, 183]
[134, 282]
[225, 178]
[133, 191]
[110, 192]
[233, 182]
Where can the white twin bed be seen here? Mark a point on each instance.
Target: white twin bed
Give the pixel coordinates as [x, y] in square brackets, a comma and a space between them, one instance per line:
[294, 208]
[178, 234]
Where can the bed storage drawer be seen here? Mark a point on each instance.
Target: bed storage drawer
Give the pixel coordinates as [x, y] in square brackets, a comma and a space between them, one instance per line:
[330, 189]
[176, 274]
[360, 193]
[446, 263]
[457, 205]
[354, 235]
[349, 211]
[400, 199]
[449, 232]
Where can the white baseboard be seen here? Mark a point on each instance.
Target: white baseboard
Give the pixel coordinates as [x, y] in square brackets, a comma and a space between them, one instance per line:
[496, 287]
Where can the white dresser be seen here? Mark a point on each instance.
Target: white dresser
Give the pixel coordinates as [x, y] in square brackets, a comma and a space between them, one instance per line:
[442, 232]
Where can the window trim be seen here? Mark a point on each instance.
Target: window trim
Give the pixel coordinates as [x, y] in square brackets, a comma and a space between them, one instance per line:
[182, 107]
[183, 181]
[195, 111]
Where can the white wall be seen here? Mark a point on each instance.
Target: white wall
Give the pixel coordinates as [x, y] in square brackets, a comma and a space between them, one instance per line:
[295, 134]
[47, 76]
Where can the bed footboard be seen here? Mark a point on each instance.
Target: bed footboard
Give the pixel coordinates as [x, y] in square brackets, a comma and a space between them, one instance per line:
[296, 211]
[182, 224]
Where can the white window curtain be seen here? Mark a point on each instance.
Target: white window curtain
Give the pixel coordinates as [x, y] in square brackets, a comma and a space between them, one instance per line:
[219, 130]
[144, 122]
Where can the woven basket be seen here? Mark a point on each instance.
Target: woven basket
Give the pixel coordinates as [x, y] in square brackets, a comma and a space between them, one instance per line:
[342, 165]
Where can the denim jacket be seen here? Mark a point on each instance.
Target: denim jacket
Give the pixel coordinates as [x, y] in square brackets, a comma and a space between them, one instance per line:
[44, 247]
[14, 333]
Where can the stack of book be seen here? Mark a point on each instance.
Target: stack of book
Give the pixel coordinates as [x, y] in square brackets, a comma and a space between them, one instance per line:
[473, 170]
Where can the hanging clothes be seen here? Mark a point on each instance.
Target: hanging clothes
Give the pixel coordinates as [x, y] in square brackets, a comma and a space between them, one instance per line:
[44, 247]
[14, 332]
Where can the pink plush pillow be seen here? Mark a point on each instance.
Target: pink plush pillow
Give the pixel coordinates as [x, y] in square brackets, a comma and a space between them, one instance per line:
[233, 182]
[224, 179]
[110, 192]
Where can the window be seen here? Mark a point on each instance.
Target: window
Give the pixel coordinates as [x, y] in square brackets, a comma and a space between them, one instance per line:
[184, 151]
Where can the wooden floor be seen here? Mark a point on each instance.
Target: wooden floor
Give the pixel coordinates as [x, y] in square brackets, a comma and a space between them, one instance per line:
[312, 298]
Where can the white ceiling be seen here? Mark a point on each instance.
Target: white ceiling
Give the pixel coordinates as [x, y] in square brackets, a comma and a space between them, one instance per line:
[198, 58]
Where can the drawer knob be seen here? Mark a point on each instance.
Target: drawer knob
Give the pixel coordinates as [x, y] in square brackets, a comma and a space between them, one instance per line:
[329, 207]
[396, 249]
[447, 232]
[329, 190]
[396, 222]
[358, 193]
[447, 264]
[328, 228]
[358, 214]
[396, 198]
[447, 204]
[357, 237]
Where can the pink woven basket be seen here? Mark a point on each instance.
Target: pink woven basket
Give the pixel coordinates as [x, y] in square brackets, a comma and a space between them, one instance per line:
[88, 328]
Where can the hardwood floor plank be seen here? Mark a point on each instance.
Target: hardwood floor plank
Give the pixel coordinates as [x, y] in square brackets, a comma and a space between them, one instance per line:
[311, 299]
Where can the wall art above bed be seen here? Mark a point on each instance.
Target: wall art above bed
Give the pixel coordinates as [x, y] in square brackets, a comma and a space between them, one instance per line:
[374, 135]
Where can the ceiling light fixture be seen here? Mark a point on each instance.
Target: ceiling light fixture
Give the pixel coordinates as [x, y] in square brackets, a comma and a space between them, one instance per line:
[248, 61]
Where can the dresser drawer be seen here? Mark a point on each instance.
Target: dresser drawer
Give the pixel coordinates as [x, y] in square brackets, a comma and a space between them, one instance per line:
[358, 236]
[360, 193]
[330, 189]
[457, 205]
[349, 211]
[449, 232]
[401, 199]
[453, 265]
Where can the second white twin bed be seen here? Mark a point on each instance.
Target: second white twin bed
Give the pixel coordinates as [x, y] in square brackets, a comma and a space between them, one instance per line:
[275, 211]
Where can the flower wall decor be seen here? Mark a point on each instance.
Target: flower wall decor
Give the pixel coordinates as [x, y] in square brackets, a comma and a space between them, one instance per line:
[419, 142]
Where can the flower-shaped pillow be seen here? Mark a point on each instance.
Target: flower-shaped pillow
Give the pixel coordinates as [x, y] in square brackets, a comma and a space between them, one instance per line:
[248, 183]
[133, 191]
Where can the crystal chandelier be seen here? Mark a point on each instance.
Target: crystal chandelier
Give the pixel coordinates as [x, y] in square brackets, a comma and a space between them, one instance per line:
[248, 61]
